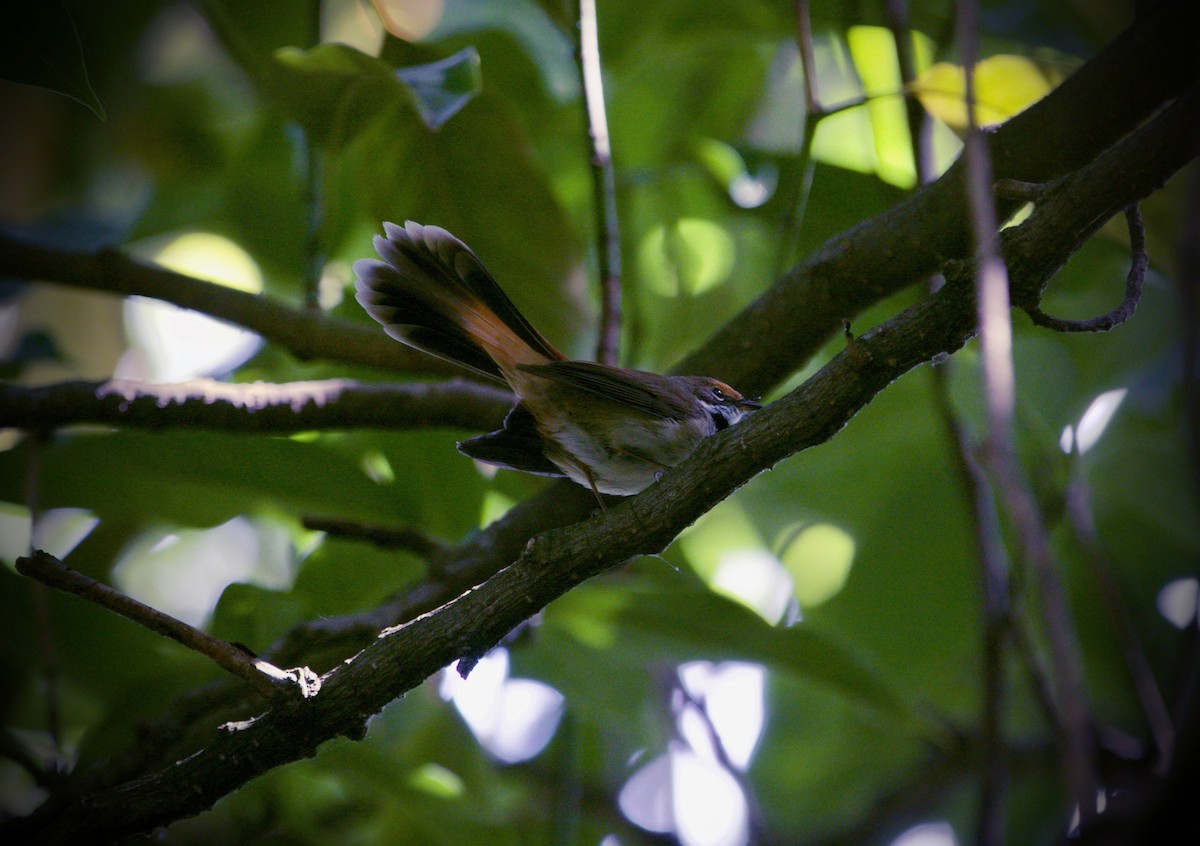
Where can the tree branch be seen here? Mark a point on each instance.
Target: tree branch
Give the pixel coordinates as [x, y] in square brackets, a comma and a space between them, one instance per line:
[385, 537]
[1133, 288]
[994, 310]
[264, 677]
[1128, 81]
[604, 185]
[556, 561]
[323, 642]
[256, 407]
[551, 564]
[307, 336]
[1078, 513]
[814, 112]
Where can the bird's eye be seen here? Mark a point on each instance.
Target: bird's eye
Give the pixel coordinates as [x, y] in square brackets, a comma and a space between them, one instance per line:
[719, 394]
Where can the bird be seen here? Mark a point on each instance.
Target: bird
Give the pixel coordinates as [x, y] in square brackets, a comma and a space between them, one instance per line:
[612, 429]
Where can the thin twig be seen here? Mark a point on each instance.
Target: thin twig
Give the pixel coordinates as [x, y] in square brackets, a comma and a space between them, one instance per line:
[808, 61]
[314, 201]
[604, 185]
[1133, 287]
[313, 162]
[1154, 708]
[995, 341]
[924, 797]
[994, 574]
[920, 127]
[385, 537]
[1185, 705]
[1189, 310]
[994, 584]
[813, 113]
[266, 678]
[43, 619]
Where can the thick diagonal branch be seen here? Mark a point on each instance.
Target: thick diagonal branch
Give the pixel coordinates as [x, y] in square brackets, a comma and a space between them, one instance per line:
[555, 562]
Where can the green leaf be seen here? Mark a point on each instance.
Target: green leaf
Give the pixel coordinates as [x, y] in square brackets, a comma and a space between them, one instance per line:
[1005, 85]
[401, 171]
[40, 47]
[441, 89]
[332, 90]
[662, 612]
[199, 478]
[335, 91]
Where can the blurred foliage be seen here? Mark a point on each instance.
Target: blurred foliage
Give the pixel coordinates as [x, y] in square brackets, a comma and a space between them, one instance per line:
[217, 113]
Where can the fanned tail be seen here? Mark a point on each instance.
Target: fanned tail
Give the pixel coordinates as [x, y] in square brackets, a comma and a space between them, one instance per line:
[433, 293]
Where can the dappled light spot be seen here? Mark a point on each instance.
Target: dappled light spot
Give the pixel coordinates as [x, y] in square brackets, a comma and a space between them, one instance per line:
[873, 49]
[336, 277]
[251, 395]
[866, 128]
[211, 257]
[723, 530]
[1101, 807]
[495, 505]
[645, 799]
[681, 792]
[513, 719]
[410, 20]
[710, 808]
[927, 834]
[351, 22]
[1177, 601]
[1004, 86]
[691, 790]
[818, 559]
[377, 467]
[755, 578]
[732, 694]
[725, 164]
[184, 572]
[726, 549]
[1093, 422]
[58, 531]
[436, 780]
[172, 344]
[689, 256]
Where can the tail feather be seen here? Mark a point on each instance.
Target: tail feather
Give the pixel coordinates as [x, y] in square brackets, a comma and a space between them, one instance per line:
[432, 292]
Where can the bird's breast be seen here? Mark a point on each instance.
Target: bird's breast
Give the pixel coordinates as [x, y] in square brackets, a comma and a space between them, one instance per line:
[625, 457]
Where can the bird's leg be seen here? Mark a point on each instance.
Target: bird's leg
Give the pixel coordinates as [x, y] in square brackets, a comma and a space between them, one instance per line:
[587, 472]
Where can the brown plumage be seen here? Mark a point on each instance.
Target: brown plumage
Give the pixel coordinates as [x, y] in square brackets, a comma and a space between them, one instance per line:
[609, 428]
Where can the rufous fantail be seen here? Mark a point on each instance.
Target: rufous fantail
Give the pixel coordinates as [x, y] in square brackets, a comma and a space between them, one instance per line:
[609, 428]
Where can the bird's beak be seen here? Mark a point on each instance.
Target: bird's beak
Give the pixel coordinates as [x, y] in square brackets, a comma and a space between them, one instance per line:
[750, 403]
